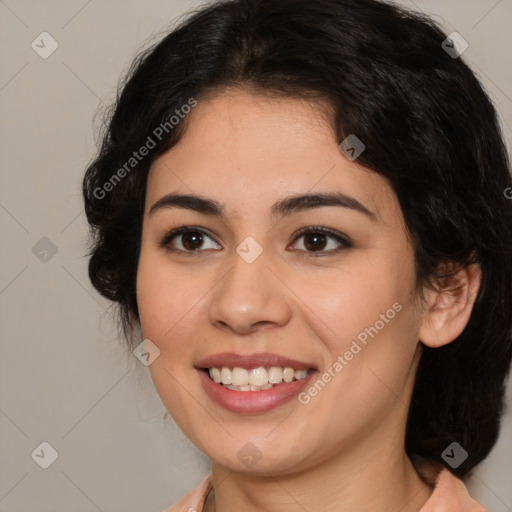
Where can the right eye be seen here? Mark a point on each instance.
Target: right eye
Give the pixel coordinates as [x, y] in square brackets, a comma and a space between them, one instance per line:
[186, 240]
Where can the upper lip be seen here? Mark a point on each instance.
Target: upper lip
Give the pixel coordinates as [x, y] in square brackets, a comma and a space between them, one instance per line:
[250, 361]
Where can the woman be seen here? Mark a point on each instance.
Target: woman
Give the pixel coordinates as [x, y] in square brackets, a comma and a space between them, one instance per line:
[302, 204]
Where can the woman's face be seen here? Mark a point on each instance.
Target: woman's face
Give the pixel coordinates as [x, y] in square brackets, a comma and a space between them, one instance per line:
[244, 286]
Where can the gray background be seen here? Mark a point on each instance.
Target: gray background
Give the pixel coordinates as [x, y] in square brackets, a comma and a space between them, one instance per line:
[64, 378]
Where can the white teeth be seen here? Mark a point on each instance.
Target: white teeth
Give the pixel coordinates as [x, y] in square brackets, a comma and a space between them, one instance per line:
[240, 377]
[215, 375]
[258, 376]
[288, 374]
[226, 376]
[256, 379]
[275, 375]
[300, 374]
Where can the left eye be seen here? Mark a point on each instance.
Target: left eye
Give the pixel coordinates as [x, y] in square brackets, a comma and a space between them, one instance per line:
[192, 239]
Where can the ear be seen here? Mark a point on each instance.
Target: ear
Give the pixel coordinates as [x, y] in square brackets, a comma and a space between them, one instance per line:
[449, 306]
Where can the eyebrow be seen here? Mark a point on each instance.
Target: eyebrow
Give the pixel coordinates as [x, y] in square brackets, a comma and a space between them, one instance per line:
[282, 208]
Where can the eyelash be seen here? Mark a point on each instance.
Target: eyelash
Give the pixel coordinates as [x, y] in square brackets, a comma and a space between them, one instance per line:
[343, 240]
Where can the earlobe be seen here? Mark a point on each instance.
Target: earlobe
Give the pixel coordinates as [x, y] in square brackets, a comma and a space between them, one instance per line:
[449, 306]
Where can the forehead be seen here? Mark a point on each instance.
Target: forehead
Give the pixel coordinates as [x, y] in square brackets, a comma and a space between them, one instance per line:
[248, 150]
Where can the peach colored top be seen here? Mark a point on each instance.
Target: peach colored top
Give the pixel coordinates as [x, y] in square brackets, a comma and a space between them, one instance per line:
[449, 495]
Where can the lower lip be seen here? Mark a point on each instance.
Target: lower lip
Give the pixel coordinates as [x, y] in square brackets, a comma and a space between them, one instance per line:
[253, 401]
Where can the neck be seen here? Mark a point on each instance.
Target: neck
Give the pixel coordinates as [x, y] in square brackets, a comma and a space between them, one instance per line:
[336, 486]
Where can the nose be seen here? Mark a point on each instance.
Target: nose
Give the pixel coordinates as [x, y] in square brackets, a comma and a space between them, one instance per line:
[249, 297]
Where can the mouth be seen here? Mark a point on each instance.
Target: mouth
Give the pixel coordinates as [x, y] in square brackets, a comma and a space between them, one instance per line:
[253, 383]
[255, 379]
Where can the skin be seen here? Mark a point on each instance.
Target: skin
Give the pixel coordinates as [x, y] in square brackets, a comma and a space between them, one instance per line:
[344, 450]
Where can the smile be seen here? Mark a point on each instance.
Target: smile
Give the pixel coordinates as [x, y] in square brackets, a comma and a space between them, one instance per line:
[256, 379]
[253, 383]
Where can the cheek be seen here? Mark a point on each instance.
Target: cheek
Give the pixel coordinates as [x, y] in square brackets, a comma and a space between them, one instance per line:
[372, 325]
[354, 299]
[167, 300]
[167, 315]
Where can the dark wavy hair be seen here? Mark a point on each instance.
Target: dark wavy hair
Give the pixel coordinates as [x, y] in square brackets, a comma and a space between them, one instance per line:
[428, 127]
